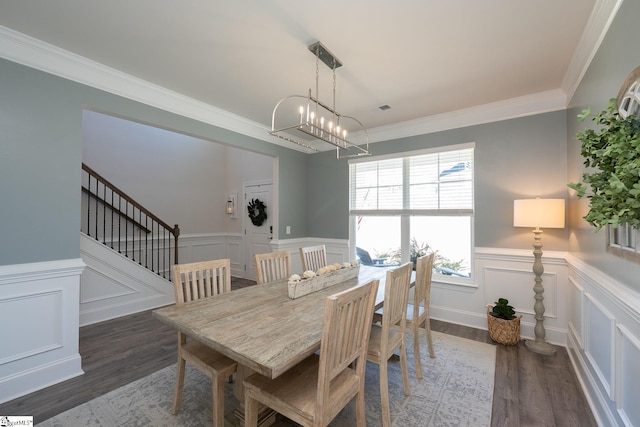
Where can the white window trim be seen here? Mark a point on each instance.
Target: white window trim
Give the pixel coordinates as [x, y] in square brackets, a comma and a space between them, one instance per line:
[627, 249]
[405, 214]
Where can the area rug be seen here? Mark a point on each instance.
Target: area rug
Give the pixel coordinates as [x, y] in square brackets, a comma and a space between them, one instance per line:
[457, 390]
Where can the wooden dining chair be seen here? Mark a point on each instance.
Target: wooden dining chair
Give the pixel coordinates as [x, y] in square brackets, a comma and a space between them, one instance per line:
[272, 266]
[192, 282]
[314, 391]
[313, 257]
[418, 312]
[389, 336]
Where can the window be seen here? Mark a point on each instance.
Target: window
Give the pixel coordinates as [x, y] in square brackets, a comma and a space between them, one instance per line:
[402, 205]
[622, 241]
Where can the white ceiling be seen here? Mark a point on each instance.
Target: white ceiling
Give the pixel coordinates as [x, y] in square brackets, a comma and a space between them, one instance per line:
[423, 58]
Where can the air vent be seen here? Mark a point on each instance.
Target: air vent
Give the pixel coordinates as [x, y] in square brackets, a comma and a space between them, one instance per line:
[384, 107]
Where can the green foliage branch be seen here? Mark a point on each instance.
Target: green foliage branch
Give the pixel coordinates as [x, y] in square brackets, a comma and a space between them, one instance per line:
[612, 185]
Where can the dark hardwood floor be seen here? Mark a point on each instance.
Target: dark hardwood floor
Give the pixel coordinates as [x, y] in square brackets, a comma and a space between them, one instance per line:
[530, 389]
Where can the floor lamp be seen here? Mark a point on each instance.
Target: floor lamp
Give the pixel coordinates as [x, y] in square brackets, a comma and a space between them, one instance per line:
[545, 213]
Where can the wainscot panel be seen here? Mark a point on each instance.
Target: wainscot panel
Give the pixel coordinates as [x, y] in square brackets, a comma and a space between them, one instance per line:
[39, 331]
[603, 343]
[114, 286]
[505, 273]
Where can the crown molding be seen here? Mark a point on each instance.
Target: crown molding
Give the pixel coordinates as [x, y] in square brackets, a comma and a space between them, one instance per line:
[536, 103]
[34, 53]
[604, 11]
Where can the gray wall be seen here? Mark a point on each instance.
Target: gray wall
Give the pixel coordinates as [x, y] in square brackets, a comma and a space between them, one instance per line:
[519, 158]
[40, 158]
[616, 58]
[40, 149]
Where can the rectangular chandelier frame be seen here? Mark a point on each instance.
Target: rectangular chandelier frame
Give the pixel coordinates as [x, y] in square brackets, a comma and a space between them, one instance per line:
[312, 118]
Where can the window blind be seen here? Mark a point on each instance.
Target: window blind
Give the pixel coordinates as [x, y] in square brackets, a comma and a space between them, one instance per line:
[439, 182]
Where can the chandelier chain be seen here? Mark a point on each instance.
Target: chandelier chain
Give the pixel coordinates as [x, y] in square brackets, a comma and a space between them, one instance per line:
[317, 74]
[334, 85]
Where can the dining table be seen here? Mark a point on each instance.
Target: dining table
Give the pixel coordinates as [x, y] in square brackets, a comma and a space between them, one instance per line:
[259, 326]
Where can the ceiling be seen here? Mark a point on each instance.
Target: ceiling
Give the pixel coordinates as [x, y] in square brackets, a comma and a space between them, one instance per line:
[425, 59]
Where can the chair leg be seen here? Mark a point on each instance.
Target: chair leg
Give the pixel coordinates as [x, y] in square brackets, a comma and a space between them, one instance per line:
[427, 326]
[218, 401]
[250, 411]
[416, 349]
[361, 417]
[405, 371]
[177, 395]
[384, 394]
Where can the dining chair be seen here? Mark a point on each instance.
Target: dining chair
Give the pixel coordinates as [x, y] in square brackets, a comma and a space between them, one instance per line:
[313, 257]
[314, 391]
[272, 266]
[192, 282]
[418, 312]
[389, 336]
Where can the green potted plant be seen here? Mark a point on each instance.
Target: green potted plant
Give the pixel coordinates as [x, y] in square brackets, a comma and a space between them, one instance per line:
[612, 184]
[504, 325]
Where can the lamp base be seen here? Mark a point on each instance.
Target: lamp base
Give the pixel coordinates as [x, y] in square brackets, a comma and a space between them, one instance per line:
[540, 347]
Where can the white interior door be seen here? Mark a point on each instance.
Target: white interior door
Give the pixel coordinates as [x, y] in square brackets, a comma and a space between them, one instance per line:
[257, 238]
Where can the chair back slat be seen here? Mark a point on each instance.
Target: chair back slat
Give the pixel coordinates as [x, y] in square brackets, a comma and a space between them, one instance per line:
[345, 334]
[424, 271]
[396, 295]
[313, 257]
[201, 279]
[272, 266]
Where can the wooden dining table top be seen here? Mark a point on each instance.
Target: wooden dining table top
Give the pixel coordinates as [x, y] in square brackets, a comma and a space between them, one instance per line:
[259, 326]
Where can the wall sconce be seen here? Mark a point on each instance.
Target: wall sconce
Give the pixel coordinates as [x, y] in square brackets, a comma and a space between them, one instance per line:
[230, 207]
[545, 213]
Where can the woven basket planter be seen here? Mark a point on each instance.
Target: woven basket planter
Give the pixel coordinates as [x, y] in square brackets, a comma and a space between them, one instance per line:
[503, 331]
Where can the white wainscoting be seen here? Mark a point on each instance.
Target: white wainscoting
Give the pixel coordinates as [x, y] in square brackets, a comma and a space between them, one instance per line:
[505, 273]
[203, 247]
[39, 327]
[595, 317]
[114, 286]
[603, 342]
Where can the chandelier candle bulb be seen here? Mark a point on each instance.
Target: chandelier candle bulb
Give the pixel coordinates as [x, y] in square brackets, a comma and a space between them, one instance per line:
[301, 113]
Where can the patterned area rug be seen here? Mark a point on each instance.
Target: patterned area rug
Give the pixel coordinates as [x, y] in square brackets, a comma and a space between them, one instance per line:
[457, 390]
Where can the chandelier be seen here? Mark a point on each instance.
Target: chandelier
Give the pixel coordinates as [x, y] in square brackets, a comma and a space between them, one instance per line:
[313, 120]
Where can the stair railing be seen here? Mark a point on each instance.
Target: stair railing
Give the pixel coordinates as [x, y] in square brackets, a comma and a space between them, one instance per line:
[116, 220]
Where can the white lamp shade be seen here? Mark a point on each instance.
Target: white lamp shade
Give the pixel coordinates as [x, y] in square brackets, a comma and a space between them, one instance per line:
[542, 213]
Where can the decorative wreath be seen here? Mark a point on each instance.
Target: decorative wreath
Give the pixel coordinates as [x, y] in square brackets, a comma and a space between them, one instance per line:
[257, 212]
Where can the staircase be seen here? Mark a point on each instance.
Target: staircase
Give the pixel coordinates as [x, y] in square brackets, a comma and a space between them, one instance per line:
[116, 220]
[128, 252]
